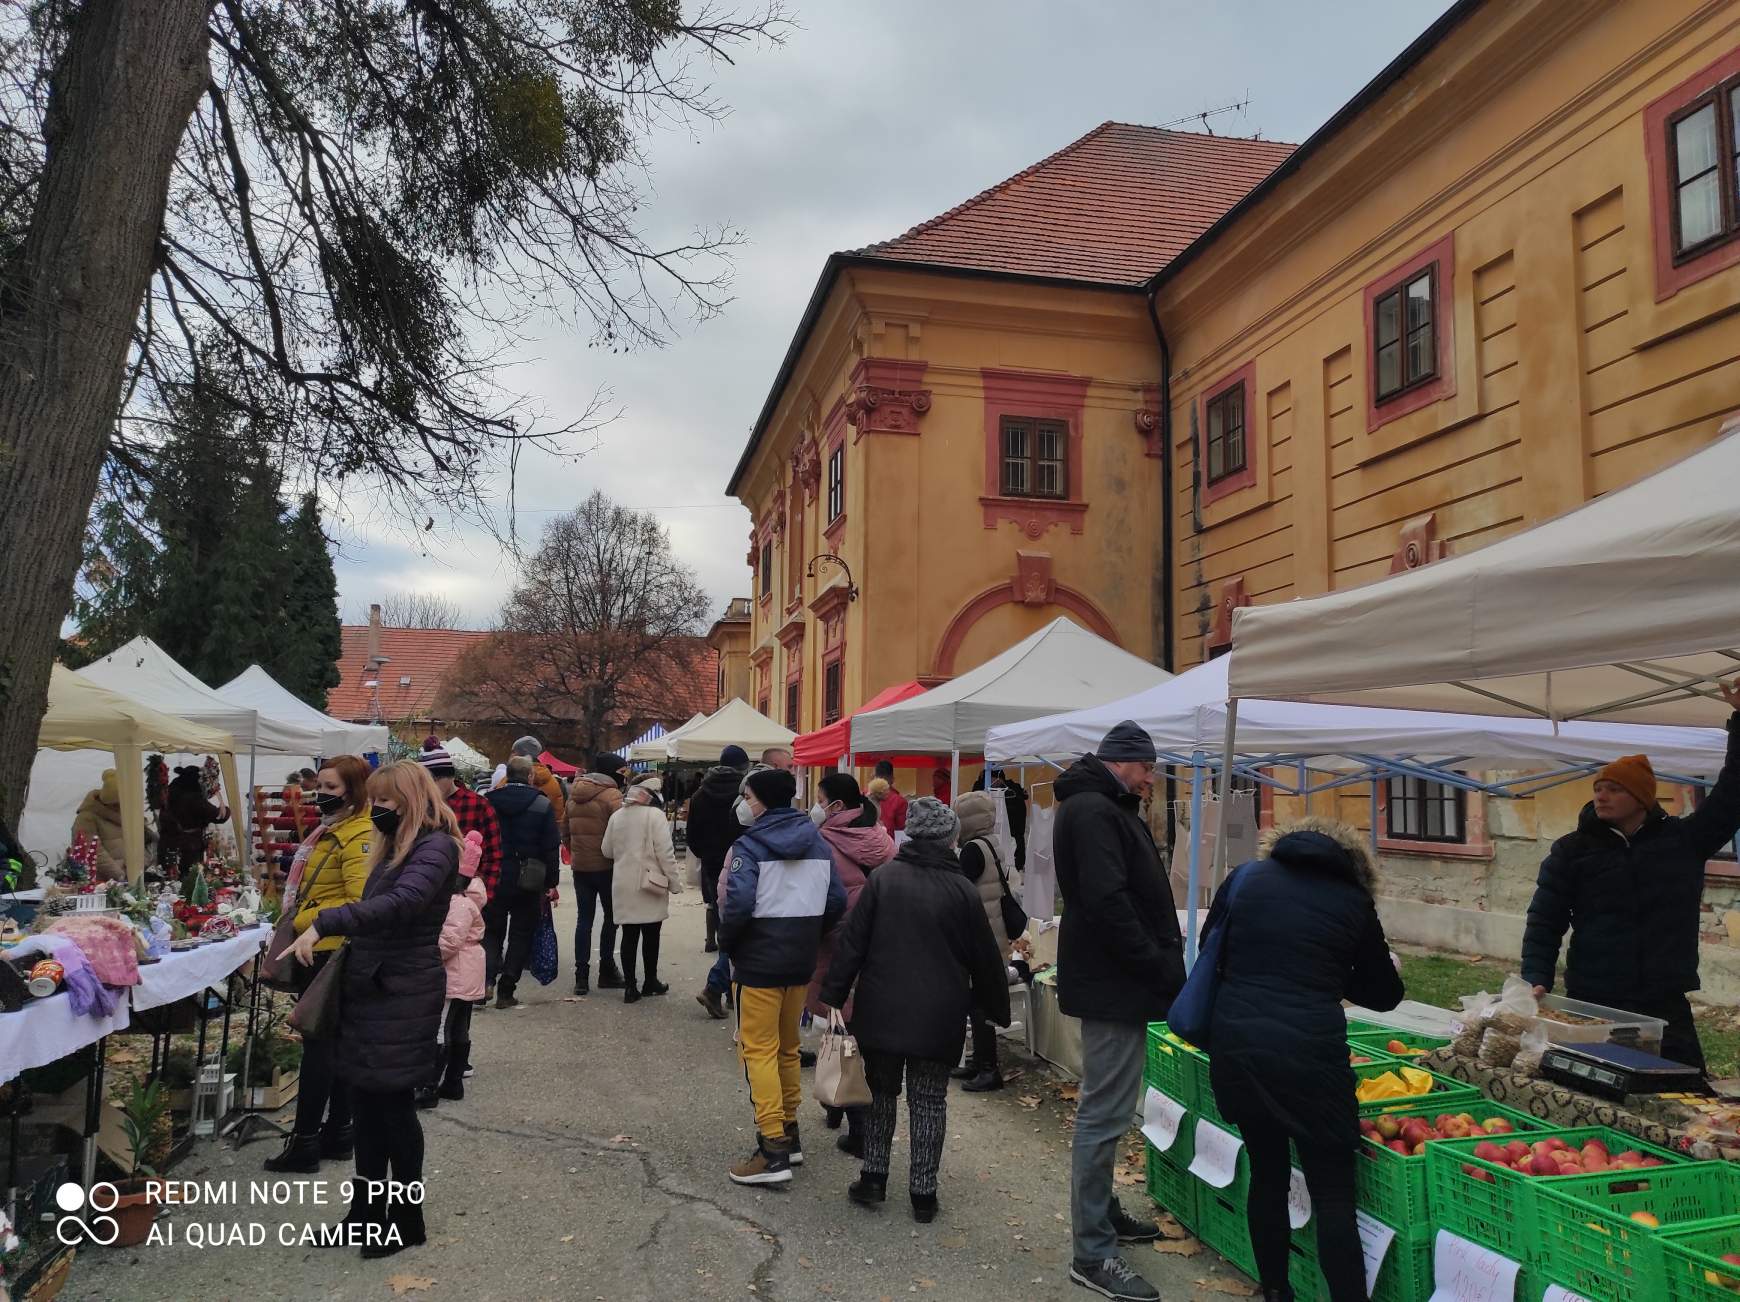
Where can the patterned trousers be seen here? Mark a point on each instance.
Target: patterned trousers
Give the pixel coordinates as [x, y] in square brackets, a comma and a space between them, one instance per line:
[927, 1093]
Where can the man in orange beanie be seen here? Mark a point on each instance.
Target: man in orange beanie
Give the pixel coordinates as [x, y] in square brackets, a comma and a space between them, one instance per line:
[1628, 884]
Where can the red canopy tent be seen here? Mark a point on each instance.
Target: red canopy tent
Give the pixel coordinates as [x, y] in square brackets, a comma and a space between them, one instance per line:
[557, 767]
[826, 746]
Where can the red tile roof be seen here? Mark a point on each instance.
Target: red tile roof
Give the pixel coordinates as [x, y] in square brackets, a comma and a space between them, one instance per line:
[1111, 208]
[423, 655]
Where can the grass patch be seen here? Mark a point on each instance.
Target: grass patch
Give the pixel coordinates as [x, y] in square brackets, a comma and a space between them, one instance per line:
[1442, 979]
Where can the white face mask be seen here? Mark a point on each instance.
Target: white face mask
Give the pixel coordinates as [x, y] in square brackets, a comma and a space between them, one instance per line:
[744, 817]
[818, 813]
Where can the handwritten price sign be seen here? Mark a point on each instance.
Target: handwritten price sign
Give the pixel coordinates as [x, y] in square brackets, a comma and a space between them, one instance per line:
[1467, 1272]
[1298, 1202]
[1161, 1118]
[1217, 1155]
[1375, 1238]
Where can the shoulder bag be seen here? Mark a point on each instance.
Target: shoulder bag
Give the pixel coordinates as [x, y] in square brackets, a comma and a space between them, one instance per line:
[280, 972]
[1192, 1011]
[316, 1012]
[1014, 916]
[534, 875]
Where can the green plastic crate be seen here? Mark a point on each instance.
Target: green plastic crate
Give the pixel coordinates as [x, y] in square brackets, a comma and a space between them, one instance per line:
[1500, 1214]
[1395, 1189]
[1406, 1275]
[1692, 1263]
[1223, 1225]
[1589, 1243]
[1172, 1188]
[1170, 1068]
[1365, 1028]
[1380, 1040]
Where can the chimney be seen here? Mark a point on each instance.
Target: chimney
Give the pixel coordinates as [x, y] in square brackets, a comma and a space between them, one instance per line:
[374, 633]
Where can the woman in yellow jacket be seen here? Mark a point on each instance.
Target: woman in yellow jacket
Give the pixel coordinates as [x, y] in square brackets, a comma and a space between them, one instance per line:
[331, 869]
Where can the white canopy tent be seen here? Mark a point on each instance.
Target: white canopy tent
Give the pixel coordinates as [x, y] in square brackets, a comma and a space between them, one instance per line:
[736, 723]
[83, 718]
[146, 673]
[255, 689]
[1060, 667]
[466, 755]
[1625, 609]
[653, 747]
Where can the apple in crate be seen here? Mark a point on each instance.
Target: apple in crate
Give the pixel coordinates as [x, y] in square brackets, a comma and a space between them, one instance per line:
[1497, 1126]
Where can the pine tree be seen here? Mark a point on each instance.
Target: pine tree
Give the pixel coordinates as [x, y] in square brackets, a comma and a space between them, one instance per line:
[307, 657]
[243, 621]
[117, 586]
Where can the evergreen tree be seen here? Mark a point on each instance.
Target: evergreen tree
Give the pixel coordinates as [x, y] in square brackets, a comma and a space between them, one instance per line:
[308, 651]
[243, 585]
[117, 586]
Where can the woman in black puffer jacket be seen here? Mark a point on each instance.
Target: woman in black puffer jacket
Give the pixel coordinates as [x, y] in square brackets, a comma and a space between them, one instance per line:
[394, 989]
[1303, 935]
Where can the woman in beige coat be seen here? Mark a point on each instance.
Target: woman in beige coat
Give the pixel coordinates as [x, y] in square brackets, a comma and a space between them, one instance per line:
[644, 876]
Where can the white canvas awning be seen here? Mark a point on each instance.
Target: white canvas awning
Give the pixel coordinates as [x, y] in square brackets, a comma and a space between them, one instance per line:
[1061, 667]
[653, 747]
[1187, 716]
[737, 723]
[111, 730]
[255, 689]
[1625, 609]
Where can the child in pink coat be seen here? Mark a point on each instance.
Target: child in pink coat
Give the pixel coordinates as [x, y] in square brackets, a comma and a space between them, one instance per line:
[462, 954]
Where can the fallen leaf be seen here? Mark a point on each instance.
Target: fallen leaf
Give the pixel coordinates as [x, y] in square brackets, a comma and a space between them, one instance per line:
[1231, 1287]
[403, 1284]
[1178, 1247]
[1028, 1100]
[567, 1238]
[1069, 1093]
[926, 1283]
[1122, 1176]
[952, 1241]
[805, 1262]
[1168, 1226]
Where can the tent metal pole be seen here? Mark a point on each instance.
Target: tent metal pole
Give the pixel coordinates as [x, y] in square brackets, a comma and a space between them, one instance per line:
[1374, 817]
[247, 854]
[1228, 745]
[954, 773]
[1194, 880]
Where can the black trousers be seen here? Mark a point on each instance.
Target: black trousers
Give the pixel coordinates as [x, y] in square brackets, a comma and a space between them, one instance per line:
[592, 893]
[509, 923]
[646, 935]
[389, 1138]
[1679, 1038]
[322, 1096]
[453, 1055]
[984, 1043]
[1329, 1177]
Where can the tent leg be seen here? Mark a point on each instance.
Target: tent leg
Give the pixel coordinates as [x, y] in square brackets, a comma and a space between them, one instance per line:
[1228, 748]
[954, 774]
[1194, 881]
[1374, 818]
[130, 781]
[253, 813]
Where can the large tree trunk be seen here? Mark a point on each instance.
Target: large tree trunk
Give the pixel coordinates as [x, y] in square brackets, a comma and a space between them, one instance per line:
[121, 99]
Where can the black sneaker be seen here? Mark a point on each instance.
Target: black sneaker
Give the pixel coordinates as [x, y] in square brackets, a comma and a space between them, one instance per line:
[793, 1145]
[766, 1165]
[984, 1082]
[806, 1058]
[505, 1000]
[651, 988]
[1132, 1229]
[1112, 1278]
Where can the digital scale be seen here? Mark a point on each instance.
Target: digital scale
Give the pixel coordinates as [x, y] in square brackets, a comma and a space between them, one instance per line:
[1611, 1071]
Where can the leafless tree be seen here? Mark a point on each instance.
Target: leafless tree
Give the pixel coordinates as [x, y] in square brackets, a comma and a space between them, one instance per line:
[601, 628]
[420, 610]
[332, 217]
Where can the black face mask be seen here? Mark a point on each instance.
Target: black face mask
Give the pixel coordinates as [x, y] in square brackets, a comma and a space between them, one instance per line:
[327, 803]
[386, 821]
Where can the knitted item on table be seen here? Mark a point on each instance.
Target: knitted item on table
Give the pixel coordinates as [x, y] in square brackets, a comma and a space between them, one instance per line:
[107, 942]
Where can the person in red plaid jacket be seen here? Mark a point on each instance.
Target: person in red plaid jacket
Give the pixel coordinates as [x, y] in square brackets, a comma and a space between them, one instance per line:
[472, 811]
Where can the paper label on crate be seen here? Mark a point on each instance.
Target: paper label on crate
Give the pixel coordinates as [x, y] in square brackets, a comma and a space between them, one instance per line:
[1217, 1155]
[1161, 1118]
[1298, 1201]
[1375, 1237]
[1467, 1272]
[1559, 1293]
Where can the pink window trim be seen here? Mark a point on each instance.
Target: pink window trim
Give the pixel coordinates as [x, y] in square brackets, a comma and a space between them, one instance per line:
[1444, 331]
[1246, 375]
[834, 440]
[1042, 396]
[1671, 279]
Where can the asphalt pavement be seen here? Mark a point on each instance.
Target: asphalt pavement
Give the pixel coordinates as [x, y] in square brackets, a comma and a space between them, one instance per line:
[588, 1161]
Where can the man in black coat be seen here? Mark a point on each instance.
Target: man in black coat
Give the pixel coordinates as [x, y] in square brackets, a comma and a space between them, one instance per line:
[1629, 884]
[1120, 961]
[511, 918]
[712, 829]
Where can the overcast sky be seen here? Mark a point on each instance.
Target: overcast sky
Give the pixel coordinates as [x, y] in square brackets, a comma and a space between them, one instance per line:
[869, 119]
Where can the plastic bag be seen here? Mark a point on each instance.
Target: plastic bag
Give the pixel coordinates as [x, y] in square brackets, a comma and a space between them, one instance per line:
[1498, 1047]
[1466, 1031]
[1516, 1009]
[543, 960]
[1528, 1058]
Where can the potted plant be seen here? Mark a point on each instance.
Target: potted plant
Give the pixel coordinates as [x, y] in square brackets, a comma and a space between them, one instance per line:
[177, 1077]
[145, 1121]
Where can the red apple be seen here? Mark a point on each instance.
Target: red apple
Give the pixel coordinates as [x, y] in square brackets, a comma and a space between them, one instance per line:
[1517, 1150]
[1388, 1126]
[1487, 1151]
[1652, 1161]
[1399, 1146]
[1498, 1126]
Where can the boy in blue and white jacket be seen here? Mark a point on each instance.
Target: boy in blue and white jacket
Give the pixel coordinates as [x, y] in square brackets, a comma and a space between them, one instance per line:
[779, 896]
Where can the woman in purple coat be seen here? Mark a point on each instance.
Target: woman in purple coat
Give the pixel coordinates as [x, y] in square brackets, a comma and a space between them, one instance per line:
[394, 989]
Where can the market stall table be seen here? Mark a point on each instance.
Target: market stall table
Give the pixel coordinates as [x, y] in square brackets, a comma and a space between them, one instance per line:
[178, 975]
[45, 1030]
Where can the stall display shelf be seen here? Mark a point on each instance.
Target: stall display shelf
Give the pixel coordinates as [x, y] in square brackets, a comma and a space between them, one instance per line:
[1396, 1190]
[1170, 1066]
[1588, 1242]
[1692, 1263]
[1502, 1214]
[1380, 1039]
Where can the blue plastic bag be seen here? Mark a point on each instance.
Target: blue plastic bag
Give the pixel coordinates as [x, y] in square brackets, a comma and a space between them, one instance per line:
[544, 957]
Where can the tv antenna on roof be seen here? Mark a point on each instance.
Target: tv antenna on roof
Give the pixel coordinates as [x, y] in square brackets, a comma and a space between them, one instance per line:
[1203, 117]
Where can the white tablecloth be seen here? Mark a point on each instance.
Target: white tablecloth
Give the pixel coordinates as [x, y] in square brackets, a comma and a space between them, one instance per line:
[180, 975]
[47, 1029]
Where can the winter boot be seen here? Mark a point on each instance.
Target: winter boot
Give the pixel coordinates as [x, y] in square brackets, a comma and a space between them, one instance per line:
[793, 1145]
[714, 1005]
[338, 1142]
[407, 1219]
[608, 977]
[653, 986]
[426, 1097]
[868, 1190]
[966, 1071]
[458, 1068]
[984, 1082]
[712, 945]
[923, 1208]
[768, 1164]
[581, 976]
[300, 1155]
